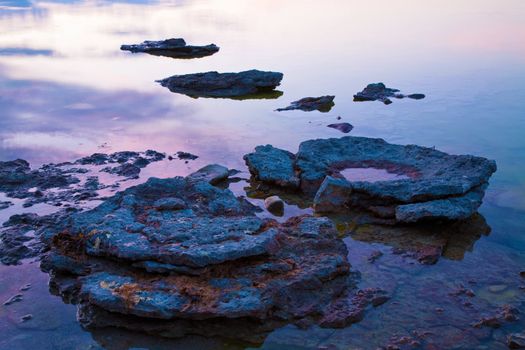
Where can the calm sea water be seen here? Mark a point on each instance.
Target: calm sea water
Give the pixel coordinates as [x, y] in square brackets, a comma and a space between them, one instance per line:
[66, 90]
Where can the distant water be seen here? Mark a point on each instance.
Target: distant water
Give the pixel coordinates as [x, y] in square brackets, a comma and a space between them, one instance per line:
[66, 91]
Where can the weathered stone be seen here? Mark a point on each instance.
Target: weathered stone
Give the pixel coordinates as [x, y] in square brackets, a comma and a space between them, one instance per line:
[379, 92]
[422, 183]
[308, 104]
[212, 173]
[272, 165]
[186, 155]
[345, 128]
[175, 48]
[516, 341]
[214, 84]
[210, 261]
[274, 205]
[333, 195]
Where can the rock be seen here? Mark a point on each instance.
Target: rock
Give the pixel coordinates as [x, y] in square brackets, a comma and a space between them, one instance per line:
[126, 170]
[173, 272]
[376, 254]
[497, 288]
[516, 341]
[175, 48]
[186, 156]
[506, 313]
[308, 104]
[26, 318]
[345, 128]
[223, 85]
[379, 92]
[522, 274]
[14, 299]
[212, 173]
[272, 165]
[274, 205]
[5, 204]
[422, 183]
[170, 204]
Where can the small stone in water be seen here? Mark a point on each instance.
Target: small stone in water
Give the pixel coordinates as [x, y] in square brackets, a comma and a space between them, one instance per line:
[26, 318]
[26, 287]
[498, 288]
[274, 205]
[343, 127]
[13, 299]
[516, 341]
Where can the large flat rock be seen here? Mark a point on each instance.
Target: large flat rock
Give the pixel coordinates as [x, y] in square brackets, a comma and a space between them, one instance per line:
[214, 84]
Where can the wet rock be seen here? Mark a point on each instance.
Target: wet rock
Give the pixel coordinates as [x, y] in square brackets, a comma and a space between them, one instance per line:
[428, 184]
[332, 195]
[26, 318]
[212, 173]
[308, 104]
[376, 254]
[14, 299]
[186, 156]
[211, 262]
[516, 341]
[126, 170]
[272, 165]
[223, 85]
[379, 92]
[274, 205]
[504, 314]
[339, 315]
[175, 48]
[5, 205]
[345, 128]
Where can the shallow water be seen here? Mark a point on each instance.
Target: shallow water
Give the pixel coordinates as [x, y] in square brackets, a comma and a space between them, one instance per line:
[66, 91]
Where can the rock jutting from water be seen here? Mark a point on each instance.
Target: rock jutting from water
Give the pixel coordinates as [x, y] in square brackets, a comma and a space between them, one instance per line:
[308, 104]
[419, 183]
[224, 85]
[175, 48]
[179, 255]
[379, 92]
[345, 128]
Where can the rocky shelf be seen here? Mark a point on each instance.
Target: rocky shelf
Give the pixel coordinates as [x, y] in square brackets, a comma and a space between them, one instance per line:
[175, 48]
[415, 183]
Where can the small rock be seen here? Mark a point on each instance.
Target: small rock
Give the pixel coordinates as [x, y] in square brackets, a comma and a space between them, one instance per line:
[516, 341]
[376, 254]
[274, 205]
[308, 104]
[522, 274]
[186, 156]
[25, 287]
[497, 288]
[26, 318]
[169, 203]
[174, 48]
[379, 92]
[213, 174]
[343, 127]
[14, 299]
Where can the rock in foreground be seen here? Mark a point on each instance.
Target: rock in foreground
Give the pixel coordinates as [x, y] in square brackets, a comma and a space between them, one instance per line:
[180, 255]
[379, 92]
[414, 183]
[175, 48]
[223, 85]
[308, 104]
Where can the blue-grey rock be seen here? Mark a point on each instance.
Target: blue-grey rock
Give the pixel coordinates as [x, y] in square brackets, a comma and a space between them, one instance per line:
[308, 104]
[175, 48]
[379, 92]
[274, 205]
[345, 128]
[272, 165]
[428, 184]
[223, 85]
[212, 173]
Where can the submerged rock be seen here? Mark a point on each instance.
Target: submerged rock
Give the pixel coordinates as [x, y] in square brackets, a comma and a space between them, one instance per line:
[179, 255]
[274, 205]
[175, 48]
[345, 128]
[420, 183]
[186, 156]
[379, 92]
[223, 85]
[308, 104]
[516, 341]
